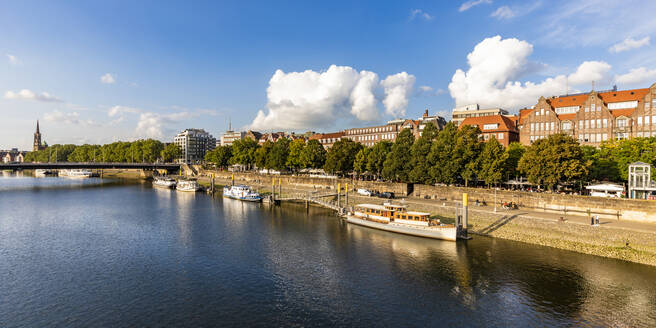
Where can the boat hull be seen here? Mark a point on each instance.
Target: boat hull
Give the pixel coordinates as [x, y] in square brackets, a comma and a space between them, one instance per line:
[245, 199]
[446, 233]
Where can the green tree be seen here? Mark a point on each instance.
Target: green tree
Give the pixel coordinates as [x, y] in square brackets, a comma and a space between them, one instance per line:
[313, 155]
[277, 158]
[360, 161]
[467, 151]
[553, 160]
[377, 157]
[261, 155]
[492, 162]
[294, 160]
[614, 157]
[243, 152]
[168, 154]
[419, 155]
[444, 166]
[220, 156]
[341, 156]
[514, 153]
[397, 165]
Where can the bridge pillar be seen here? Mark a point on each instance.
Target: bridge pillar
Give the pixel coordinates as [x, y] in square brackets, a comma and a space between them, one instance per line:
[145, 174]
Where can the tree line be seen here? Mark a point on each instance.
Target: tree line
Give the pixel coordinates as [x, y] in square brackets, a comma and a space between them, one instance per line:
[148, 151]
[451, 156]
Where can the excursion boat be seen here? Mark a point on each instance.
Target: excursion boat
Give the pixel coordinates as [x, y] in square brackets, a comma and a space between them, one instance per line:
[397, 218]
[43, 173]
[187, 185]
[164, 182]
[75, 173]
[241, 192]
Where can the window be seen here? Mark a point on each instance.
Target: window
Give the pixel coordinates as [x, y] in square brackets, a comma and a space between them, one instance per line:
[541, 111]
[587, 109]
[592, 124]
[623, 104]
[567, 110]
[592, 108]
[586, 137]
[587, 124]
[552, 126]
[646, 120]
[605, 123]
[639, 134]
[592, 138]
[621, 122]
[639, 120]
[598, 123]
[490, 126]
[605, 136]
[581, 124]
[598, 137]
[567, 125]
[653, 119]
[500, 136]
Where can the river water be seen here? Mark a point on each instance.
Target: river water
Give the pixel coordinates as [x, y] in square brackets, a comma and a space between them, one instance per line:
[92, 253]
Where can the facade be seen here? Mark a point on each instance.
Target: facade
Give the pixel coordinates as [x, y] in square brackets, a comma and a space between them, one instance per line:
[194, 144]
[327, 139]
[229, 137]
[37, 139]
[459, 114]
[502, 127]
[12, 156]
[593, 117]
[369, 136]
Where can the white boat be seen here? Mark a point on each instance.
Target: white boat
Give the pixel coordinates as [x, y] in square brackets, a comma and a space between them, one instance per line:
[75, 173]
[43, 172]
[187, 185]
[241, 192]
[396, 218]
[164, 182]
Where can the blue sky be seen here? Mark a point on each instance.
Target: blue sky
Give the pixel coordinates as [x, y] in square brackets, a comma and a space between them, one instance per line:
[172, 65]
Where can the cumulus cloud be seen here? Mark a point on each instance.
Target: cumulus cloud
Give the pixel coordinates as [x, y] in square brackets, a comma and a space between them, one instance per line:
[119, 110]
[414, 13]
[495, 62]
[310, 99]
[154, 125]
[472, 3]
[107, 79]
[628, 44]
[637, 76]
[503, 12]
[397, 89]
[57, 116]
[31, 95]
[13, 59]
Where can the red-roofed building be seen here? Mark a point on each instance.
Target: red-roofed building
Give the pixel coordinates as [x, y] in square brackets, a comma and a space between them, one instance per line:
[502, 127]
[593, 117]
[327, 139]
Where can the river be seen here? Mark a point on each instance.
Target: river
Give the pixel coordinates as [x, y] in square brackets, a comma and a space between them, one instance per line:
[94, 253]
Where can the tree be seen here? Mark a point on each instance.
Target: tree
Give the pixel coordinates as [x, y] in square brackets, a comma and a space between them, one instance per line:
[243, 152]
[467, 151]
[377, 157]
[294, 160]
[492, 162]
[168, 154]
[514, 153]
[444, 167]
[360, 161]
[277, 158]
[553, 160]
[313, 155]
[397, 165]
[341, 156]
[220, 156]
[261, 155]
[615, 156]
[419, 155]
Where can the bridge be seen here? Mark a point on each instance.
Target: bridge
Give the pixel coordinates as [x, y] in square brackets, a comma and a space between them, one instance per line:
[91, 166]
[319, 199]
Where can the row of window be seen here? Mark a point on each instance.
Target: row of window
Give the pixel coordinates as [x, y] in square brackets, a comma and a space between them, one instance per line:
[370, 130]
[486, 136]
[543, 126]
[384, 136]
[646, 120]
[594, 124]
[593, 137]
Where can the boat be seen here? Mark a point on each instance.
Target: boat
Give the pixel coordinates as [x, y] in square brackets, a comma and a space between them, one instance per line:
[164, 182]
[187, 185]
[43, 172]
[76, 173]
[397, 218]
[241, 192]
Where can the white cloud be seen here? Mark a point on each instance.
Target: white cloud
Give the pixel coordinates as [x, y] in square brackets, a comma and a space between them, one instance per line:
[107, 79]
[420, 13]
[31, 95]
[154, 125]
[503, 12]
[13, 59]
[66, 118]
[495, 62]
[119, 110]
[397, 89]
[629, 44]
[637, 76]
[425, 88]
[472, 3]
[310, 99]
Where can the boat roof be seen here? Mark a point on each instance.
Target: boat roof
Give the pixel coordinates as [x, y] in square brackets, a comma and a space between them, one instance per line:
[371, 206]
[418, 213]
[606, 187]
[394, 205]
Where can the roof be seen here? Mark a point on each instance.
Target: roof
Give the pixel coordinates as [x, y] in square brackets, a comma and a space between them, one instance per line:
[563, 117]
[327, 135]
[523, 114]
[418, 213]
[622, 112]
[505, 123]
[625, 95]
[371, 206]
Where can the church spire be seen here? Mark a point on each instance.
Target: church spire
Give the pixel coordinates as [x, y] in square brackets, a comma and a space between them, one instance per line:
[37, 126]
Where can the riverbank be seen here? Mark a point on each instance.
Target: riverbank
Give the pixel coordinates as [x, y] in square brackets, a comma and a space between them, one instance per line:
[609, 239]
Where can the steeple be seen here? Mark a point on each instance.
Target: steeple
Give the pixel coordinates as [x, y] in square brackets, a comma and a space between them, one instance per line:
[37, 138]
[37, 126]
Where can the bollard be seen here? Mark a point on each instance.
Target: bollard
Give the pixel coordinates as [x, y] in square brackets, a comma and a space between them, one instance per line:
[465, 213]
[339, 190]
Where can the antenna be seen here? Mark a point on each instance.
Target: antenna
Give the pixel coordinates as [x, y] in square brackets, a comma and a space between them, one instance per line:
[566, 85]
[229, 124]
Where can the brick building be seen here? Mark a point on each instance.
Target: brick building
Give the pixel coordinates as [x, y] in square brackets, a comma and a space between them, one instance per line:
[327, 139]
[369, 136]
[593, 117]
[502, 127]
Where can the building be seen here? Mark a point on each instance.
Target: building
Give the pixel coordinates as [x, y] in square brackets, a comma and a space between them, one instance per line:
[229, 137]
[439, 121]
[592, 117]
[12, 156]
[459, 114]
[327, 139]
[37, 139]
[369, 136]
[194, 144]
[502, 127]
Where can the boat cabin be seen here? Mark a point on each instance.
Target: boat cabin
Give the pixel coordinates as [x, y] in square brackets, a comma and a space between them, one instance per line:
[391, 212]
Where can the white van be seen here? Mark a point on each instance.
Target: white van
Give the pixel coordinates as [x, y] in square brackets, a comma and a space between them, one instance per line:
[364, 192]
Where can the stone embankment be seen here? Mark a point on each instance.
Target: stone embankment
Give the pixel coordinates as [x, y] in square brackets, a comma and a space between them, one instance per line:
[538, 223]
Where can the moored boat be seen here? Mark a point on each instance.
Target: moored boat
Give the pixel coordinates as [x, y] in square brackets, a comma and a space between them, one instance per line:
[164, 182]
[75, 173]
[396, 218]
[241, 192]
[43, 172]
[187, 185]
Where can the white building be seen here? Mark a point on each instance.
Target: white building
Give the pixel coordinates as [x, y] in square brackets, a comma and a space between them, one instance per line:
[459, 114]
[231, 136]
[194, 144]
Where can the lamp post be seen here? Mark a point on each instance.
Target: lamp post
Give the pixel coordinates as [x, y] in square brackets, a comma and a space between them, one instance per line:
[495, 200]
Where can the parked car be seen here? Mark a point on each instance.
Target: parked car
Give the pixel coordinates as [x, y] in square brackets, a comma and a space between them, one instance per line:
[388, 195]
[364, 192]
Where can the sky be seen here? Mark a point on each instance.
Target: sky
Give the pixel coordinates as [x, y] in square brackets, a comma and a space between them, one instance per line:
[98, 72]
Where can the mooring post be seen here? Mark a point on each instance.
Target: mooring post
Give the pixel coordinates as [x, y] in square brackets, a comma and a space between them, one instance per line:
[465, 213]
[233, 179]
[346, 193]
[273, 189]
[339, 190]
[212, 182]
[280, 187]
